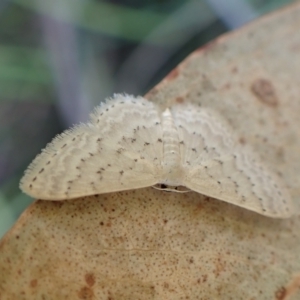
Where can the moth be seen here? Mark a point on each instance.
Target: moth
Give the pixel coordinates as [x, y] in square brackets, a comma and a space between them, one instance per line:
[130, 143]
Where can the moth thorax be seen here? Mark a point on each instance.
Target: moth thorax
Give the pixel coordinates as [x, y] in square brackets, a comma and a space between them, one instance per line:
[171, 159]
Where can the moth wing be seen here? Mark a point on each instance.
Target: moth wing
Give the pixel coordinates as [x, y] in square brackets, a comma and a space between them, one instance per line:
[217, 165]
[119, 149]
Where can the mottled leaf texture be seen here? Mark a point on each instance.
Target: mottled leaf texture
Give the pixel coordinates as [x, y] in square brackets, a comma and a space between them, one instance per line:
[129, 144]
[148, 245]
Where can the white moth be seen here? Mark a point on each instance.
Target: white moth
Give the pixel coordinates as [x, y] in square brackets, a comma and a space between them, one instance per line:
[130, 143]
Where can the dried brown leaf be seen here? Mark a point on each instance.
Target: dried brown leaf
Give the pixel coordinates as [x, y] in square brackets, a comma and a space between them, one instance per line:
[149, 244]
